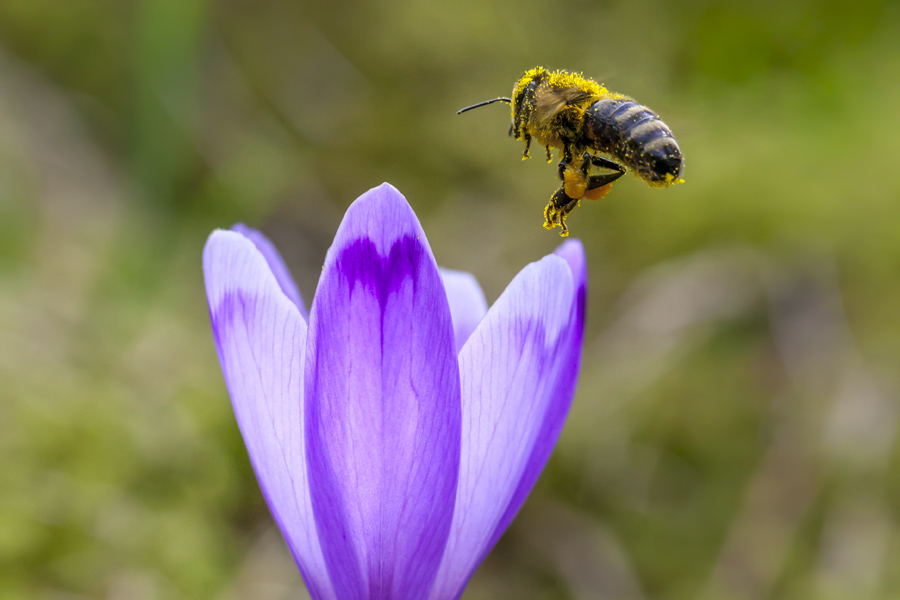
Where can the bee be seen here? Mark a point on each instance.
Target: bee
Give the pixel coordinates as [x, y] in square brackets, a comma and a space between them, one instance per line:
[581, 119]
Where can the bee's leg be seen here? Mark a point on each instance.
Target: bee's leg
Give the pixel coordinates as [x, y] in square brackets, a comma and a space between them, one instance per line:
[527, 146]
[605, 163]
[564, 163]
[552, 212]
[564, 212]
[599, 185]
[597, 181]
[586, 163]
[558, 209]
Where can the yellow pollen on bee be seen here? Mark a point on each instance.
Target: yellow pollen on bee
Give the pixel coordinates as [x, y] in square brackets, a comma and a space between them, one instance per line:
[597, 193]
[575, 183]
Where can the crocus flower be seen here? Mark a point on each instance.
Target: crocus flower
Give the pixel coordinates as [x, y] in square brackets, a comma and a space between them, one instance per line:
[397, 431]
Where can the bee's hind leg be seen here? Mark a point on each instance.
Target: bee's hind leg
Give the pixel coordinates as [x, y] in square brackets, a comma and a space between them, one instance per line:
[597, 181]
[604, 163]
[558, 209]
[599, 185]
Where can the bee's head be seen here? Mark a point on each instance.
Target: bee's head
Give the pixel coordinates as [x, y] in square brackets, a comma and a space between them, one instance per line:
[523, 98]
[524, 90]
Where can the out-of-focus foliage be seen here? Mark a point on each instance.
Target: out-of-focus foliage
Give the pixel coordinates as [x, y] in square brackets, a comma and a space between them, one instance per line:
[735, 430]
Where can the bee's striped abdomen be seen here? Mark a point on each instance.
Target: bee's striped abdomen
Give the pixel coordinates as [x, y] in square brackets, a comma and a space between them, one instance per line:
[636, 136]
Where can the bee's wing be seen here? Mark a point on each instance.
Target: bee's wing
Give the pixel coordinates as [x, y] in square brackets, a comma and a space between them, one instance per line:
[551, 100]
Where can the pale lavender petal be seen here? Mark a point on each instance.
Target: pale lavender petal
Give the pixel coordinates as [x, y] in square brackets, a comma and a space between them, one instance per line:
[261, 340]
[560, 384]
[467, 303]
[573, 252]
[518, 376]
[276, 264]
[383, 404]
[564, 384]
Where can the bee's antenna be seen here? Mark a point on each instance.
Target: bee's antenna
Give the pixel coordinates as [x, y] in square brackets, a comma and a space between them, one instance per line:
[485, 103]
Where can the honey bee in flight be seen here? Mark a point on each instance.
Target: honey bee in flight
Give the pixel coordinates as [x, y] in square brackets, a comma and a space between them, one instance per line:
[580, 118]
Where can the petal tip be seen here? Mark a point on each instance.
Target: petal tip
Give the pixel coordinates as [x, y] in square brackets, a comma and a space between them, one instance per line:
[231, 261]
[219, 243]
[224, 263]
[573, 253]
[382, 215]
[276, 264]
[382, 197]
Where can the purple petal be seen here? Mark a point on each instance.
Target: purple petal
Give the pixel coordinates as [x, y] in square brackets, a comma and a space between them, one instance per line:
[518, 376]
[276, 264]
[573, 252]
[560, 384]
[467, 303]
[383, 404]
[261, 340]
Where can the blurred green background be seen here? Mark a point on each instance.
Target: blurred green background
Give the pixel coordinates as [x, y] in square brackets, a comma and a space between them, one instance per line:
[735, 430]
